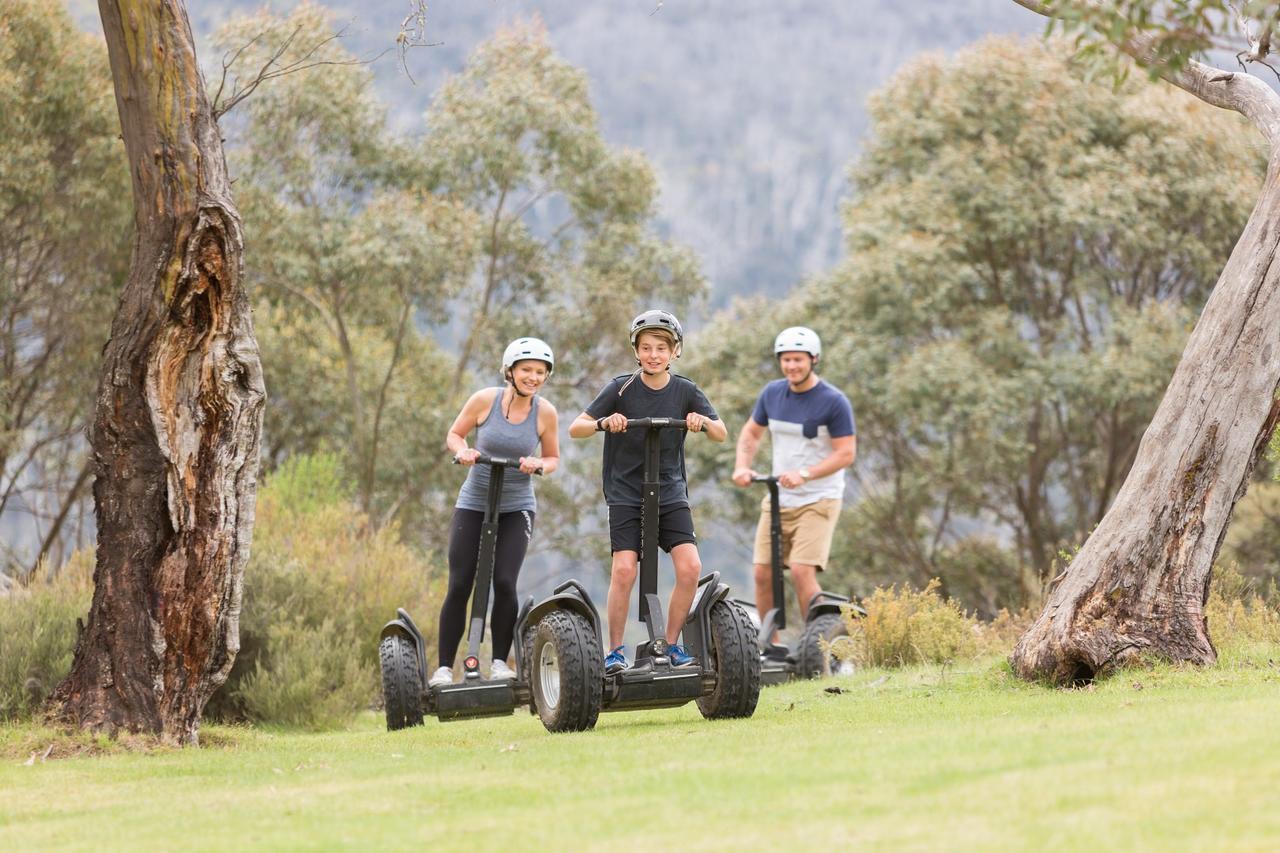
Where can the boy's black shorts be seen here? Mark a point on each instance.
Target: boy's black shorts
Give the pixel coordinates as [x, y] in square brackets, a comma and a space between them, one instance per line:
[675, 527]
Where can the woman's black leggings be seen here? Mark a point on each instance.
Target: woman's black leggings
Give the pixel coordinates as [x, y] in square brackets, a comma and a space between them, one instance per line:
[515, 529]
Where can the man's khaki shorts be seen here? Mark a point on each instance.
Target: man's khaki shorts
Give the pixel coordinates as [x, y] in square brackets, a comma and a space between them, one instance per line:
[806, 533]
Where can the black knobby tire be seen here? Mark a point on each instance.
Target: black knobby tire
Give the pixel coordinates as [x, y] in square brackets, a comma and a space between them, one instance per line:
[811, 660]
[566, 672]
[526, 667]
[736, 660]
[401, 681]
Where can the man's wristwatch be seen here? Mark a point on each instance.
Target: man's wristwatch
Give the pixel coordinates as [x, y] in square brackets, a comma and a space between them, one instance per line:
[804, 474]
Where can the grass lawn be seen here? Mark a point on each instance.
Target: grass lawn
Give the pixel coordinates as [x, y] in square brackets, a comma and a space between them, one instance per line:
[965, 757]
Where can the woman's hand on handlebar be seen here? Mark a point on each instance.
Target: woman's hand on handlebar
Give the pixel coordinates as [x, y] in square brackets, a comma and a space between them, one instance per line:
[531, 465]
[617, 422]
[742, 476]
[467, 456]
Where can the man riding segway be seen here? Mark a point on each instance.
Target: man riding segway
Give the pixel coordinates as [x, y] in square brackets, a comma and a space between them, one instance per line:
[811, 425]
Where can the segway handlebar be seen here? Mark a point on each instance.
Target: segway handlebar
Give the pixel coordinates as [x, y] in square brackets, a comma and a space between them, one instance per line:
[763, 478]
[645, 423]
[499, 461]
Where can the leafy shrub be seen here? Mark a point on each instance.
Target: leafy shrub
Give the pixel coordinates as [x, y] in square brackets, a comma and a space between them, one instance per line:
[1000, 635]
[905, 626]
[320, 584]
[38, 634]
[1237, 615]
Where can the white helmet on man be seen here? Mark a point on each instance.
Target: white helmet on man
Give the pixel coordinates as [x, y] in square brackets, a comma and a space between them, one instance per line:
[798, 339]
[522, 349]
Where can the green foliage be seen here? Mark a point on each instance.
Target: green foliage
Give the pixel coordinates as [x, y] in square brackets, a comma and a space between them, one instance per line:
[38, 634]
[1239, 618]
[907, 626]
[64, 250]
[1253, 539]
[1164, 35]
[320, 583]
[1026, 254]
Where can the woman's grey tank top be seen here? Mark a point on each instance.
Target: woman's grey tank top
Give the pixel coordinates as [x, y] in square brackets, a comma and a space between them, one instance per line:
[499, 437]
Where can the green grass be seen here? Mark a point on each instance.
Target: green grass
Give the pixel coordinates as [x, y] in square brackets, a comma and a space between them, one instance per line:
[1150, 759]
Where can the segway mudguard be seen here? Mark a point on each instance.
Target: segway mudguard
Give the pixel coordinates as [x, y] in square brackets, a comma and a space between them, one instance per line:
[404, 626]
[830, 602]
[570, 595]
[697, 627]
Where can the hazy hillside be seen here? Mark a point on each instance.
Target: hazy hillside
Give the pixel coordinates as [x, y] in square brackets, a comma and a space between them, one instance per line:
[750, 109]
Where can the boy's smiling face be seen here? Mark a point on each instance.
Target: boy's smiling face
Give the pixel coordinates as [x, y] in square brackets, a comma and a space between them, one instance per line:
[653, 351]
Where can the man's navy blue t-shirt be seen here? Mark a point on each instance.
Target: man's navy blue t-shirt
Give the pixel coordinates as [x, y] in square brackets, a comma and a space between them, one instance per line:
[624, 451]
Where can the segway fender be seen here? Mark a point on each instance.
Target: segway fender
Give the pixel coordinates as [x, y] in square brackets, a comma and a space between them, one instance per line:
[570, 595]
[404, 626]
[830, 602]
[697, 628]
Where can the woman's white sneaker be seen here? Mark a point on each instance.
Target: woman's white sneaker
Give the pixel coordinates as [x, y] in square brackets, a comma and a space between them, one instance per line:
[440, 677]
[499, 671]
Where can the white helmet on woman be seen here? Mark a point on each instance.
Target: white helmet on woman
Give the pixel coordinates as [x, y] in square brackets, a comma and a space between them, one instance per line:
[522, 349]
[798, 339]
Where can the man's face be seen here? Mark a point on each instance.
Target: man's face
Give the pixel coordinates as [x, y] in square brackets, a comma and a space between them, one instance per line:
[528, 375]
[795, 366]
[653, 351]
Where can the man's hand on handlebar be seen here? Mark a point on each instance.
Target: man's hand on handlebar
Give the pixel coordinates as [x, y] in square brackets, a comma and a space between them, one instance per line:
[467, 457]
[695, 422]
[742, 476]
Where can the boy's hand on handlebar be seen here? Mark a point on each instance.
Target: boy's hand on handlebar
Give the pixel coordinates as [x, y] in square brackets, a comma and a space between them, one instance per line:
[695, 421]
[468, 456]
[531, 465]
[617, 422]
[742, 476]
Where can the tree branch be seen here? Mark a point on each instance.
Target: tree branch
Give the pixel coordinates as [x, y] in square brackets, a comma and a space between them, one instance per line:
[1243, 93]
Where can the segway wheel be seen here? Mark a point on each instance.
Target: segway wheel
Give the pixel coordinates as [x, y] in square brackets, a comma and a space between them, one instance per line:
[401, 682]
[567, 672]
[814, 657]
[736, 661]
[526, 646]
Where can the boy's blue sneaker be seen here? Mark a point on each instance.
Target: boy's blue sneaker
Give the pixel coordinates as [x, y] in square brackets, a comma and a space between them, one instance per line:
[615, 661]
[679, 657]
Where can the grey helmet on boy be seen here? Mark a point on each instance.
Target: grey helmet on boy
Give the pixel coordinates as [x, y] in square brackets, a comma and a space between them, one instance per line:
[527, 348]
[656, 318]
[798, 339]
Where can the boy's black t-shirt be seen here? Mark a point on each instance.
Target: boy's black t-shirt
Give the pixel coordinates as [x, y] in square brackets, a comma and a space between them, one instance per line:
[624, 451]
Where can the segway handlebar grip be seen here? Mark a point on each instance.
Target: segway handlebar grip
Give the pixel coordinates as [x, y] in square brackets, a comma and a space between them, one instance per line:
[763, 478]
[499, 461]
[656, 423]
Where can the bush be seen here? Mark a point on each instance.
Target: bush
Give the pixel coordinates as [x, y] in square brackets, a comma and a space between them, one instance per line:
[905, 626]
[320, 584]
[1237, 615]
[38, 634]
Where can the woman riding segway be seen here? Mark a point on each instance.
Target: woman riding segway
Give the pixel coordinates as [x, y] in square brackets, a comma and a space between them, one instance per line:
[511, 421]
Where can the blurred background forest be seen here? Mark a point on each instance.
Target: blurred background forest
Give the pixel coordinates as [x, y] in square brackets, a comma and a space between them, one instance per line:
[1003, 257]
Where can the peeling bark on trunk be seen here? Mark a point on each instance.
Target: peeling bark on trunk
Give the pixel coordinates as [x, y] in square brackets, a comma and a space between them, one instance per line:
[179, 407]
[1140, 583]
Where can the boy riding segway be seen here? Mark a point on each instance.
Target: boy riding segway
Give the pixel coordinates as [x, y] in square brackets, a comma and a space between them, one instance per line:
[652, 391]
[811, 425]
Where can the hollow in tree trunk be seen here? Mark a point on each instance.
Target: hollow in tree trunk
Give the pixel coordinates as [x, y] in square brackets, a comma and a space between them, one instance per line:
[179, 407]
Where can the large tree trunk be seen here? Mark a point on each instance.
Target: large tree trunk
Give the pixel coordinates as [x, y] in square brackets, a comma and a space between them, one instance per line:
[179, 407]
[1140, 582]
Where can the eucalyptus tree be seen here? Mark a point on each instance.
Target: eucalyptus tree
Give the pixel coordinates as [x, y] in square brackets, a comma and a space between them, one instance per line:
[179, 406]
[1139, 583]
[355, 260]
[1026, 251]
[64, 252]
[567, 249]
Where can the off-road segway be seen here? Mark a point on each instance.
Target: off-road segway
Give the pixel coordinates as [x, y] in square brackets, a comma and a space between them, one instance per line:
[402, 650]
[569, 686]
[813, 656]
